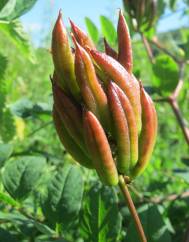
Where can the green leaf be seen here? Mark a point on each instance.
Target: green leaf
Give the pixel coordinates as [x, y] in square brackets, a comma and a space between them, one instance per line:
[7, 200]
[19, 219]
[3, 66]
[2, 4]
[7, 7]
[108, 30]
[5, 235]
[16, 35]
[25, 108]
[20, 176]
[15, 8]
[14, 217]
[166, 72]
[92, 30]
[44, 229]
[22, 108]
[182, 173]
[63, 200]
[7, 128]
[5, 152]
[155, 228]
[100, 219]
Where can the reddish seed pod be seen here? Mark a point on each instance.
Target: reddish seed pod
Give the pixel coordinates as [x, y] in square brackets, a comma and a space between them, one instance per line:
[121, 130]
[81, 36]
[87, 78]
[125, 56]
[109, 50]
[103, 116]
[148, 133]
[123, 79]
[99, 149]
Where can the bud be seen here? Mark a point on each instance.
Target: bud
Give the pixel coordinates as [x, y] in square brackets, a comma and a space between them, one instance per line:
[142, 13]
[102, 114]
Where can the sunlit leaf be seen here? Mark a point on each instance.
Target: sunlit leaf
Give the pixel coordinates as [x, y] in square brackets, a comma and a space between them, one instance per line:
[6, 8]
[92, 30]
[166, 72]
[15, 34]
[108, 30]
[6, 199]
[12, 9]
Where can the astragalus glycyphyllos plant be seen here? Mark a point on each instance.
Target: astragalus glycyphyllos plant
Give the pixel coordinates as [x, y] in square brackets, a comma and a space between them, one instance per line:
[102, 114]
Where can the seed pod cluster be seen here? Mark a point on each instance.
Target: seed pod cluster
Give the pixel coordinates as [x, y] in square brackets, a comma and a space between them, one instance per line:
[141, 12]
[102, 114]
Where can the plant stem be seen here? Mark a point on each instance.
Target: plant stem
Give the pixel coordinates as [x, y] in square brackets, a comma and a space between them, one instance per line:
[148, 48]
[176, 110]
[132, 209]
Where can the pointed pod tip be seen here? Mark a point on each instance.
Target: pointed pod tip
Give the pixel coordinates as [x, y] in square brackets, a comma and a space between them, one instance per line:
[141, 87]
[74, 27]
[59, 30]
[120, 13]
[112, 89]
[140, 84]
[78, 48]
[60, 13]
[71, 22]
[111, 85]
[59, 18]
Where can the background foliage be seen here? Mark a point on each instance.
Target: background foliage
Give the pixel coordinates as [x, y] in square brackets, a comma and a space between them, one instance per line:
[44, 194]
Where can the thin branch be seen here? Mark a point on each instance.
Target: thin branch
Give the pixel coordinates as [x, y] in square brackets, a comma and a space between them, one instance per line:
[148, 48]
[132, 209]
[172, 100]
[177, 112]
[169, 198]
[180, 82]
[174, 104]
[41, 127]
[159, 199]
[155, 42]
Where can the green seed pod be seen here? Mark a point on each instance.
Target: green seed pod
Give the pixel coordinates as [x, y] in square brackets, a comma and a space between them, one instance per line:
[71, 146]
[70, 114]
[63, 59]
